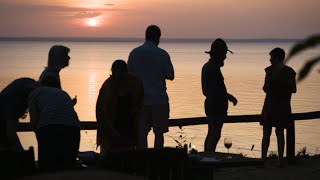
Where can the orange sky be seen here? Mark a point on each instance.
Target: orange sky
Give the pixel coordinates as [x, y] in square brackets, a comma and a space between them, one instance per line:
[177, 19]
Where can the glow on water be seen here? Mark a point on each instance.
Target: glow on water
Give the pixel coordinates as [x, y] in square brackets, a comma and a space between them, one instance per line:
[243, 71]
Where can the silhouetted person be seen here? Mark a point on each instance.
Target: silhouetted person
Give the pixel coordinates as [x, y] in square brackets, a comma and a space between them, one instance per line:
[13, 105]
[55, 124]
[118, 108]
[213, 87]
[153, 66]
[279, 85]
[58, 58]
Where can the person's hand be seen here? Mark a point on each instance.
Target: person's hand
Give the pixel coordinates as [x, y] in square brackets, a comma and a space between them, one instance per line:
[74, 100]
[232, 99]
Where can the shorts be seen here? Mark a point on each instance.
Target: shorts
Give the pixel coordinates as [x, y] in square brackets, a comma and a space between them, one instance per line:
[156, 117]
[215, 116]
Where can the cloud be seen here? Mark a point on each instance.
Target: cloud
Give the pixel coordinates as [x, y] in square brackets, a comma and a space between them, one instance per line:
[78, 12]
[88, 14]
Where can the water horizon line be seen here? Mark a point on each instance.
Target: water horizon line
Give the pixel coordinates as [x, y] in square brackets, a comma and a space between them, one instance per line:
[120, 39]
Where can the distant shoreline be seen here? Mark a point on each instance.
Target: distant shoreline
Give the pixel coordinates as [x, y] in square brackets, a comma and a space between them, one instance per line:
[116, 39]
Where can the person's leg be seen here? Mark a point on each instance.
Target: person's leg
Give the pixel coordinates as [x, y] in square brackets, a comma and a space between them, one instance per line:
[58, 146]
[160, 123]
[46, 146]
[217, 127]
[144, 126]
[291, 142]
[213, 136]
[280, 138]
[143, 142]
[158, 140]
[71, 145]
[265, 140]
[208, 143]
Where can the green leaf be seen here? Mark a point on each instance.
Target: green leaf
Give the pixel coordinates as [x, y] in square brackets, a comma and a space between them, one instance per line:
[307, 68]
[306, 44]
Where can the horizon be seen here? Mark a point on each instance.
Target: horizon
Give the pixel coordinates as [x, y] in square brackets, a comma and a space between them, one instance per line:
[246, 19]
[132, 39]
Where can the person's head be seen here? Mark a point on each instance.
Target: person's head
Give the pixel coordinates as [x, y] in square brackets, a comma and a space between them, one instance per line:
[119, 69]
[16, 95]
[277, 56]
[218, 51]
[58, 57]
[153, 34]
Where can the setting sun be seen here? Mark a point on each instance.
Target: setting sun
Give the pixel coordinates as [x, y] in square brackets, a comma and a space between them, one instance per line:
[92, 22]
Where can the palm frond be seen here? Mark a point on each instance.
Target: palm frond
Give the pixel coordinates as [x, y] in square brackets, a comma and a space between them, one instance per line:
[307, 68]
[306, 44]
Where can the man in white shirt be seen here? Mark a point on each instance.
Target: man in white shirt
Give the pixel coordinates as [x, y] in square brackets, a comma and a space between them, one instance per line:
[153, 66]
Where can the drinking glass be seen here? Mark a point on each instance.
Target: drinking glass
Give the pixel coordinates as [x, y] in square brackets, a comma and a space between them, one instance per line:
[228, 144]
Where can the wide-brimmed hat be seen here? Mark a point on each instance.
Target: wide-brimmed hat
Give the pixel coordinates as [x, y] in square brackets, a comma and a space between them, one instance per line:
[217, 46]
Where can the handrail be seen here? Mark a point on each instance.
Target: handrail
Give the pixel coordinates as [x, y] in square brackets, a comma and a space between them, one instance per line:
[92, 125]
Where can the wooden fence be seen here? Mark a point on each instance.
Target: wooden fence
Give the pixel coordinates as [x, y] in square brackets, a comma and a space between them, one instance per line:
[92, 125]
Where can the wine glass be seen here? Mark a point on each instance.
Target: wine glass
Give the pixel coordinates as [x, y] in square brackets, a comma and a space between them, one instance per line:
[228, 144]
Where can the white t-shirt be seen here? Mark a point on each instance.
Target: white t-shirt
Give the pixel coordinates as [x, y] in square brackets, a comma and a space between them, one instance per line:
[152, 65]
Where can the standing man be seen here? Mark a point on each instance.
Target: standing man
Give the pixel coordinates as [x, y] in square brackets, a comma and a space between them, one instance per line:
[279, 85]
[153, 66]
[213, 87]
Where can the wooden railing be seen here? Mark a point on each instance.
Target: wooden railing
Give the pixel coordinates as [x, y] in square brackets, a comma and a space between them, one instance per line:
[92, 125]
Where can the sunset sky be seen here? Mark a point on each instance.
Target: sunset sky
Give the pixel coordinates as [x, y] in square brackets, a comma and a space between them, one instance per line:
[177, 19]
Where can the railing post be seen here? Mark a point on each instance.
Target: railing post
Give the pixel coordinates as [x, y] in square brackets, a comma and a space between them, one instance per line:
[291, 142]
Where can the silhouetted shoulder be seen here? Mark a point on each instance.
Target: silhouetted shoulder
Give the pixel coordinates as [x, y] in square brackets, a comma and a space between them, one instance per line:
[204, 67]
[211, 69]
[268, 69]
[163, 51]
[289, 70]
[136, 49]
[106, 84]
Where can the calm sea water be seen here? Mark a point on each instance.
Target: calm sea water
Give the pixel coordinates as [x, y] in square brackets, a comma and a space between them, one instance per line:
[90, 65]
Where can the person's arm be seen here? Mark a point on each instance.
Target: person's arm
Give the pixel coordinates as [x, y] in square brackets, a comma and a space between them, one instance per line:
[212, 83]
[138, 107]
[232, 99]
[104, 122]
[169, 71]
[74, 100]
[13, 139]
[33, 111]
[267, 80]
[130, 63]
[204, 84]
[292, 83]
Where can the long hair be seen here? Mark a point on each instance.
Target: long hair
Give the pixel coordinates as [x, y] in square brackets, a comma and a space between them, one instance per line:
[119, 72]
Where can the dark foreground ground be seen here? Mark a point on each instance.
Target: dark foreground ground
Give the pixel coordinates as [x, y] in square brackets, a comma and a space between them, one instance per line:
[305, 168]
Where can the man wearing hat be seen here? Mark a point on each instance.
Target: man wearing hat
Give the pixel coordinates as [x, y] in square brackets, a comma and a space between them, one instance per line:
[213, 87]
